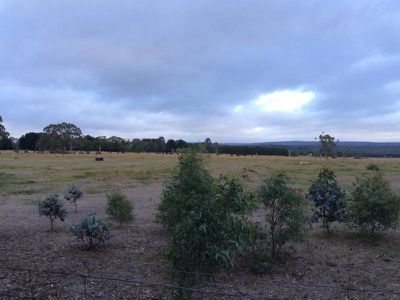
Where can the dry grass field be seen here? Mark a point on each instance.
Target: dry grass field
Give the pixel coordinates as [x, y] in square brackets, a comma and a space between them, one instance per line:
[342, 259]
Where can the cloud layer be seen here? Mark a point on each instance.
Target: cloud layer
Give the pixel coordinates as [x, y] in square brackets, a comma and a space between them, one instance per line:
[229, 70]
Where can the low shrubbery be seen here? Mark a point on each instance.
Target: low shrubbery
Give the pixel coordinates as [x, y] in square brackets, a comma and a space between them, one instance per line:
[257, 252]
[285, 212]
[372, 167]
[91, 231]
[52, 208]
[208, 220]
[119, 207]
[373, 205]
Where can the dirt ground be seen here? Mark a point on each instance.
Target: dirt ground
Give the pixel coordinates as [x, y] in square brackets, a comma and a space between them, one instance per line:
[324, 267]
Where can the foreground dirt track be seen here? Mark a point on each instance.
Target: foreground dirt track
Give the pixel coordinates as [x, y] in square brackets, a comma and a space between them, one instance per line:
[322, 268]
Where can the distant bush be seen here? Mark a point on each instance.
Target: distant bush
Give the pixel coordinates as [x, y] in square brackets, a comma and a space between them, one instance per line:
[206, 219]
[285, 215]
[91, 231]
[52, 208]
[372, 167]
[373, 205]
[73, 194]
[119, 207]
[328, 199]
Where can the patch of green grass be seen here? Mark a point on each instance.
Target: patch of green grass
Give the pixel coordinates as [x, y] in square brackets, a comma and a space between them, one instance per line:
[6, 178]
[27, 191]
[23, 192]
[35, 170]
[80, 176]
[30, 202]
[87, 174]
[26, 181]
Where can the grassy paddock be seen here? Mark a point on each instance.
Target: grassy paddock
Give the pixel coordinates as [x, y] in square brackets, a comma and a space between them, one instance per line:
[25, 178]
[36, 173]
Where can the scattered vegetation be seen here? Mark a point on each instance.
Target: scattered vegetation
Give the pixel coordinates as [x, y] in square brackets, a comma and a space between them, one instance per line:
[73, 194]
[52, 208]
[373, 205]
[91, 231]
[285, 212]
[328, 199]
[119, 207]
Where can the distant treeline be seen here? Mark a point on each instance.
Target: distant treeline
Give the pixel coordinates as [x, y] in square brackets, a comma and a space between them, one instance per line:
[343, 149]
[36, 142]
[252, 150]
[64, 137]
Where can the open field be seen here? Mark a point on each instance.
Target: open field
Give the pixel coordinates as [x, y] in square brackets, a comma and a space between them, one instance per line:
[135, 251]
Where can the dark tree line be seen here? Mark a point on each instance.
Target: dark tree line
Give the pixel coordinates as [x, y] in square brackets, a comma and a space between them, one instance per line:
[67, 137]
[252, 150]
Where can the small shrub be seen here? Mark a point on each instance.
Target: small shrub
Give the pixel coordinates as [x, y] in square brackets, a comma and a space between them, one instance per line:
[73, 194]
[206, 219]
[284, 212]
[372, 167]
[119, 207]
[328, 199]
[52, 208]
[91, 231]
[373, 205]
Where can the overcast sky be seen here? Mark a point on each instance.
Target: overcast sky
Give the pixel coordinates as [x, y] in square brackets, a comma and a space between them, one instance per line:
[234, 71]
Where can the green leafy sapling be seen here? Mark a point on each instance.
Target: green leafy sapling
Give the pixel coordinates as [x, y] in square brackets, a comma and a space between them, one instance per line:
[119, 207]
[373, 205]
[73, 194]
[328, 199]
[52, 208]
[206, 219]
[285, 214]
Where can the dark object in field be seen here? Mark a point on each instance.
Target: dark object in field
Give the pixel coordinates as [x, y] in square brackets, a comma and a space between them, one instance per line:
[99, 158]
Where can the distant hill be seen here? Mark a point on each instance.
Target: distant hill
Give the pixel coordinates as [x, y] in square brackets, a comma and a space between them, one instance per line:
[370, 149]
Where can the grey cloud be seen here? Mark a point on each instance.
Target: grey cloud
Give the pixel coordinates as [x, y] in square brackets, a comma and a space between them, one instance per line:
[179, 68]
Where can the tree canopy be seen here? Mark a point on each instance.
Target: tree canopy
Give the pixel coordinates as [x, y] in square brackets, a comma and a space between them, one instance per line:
[5, 140]
[60, 137]
[327, 144]
[29, 141]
